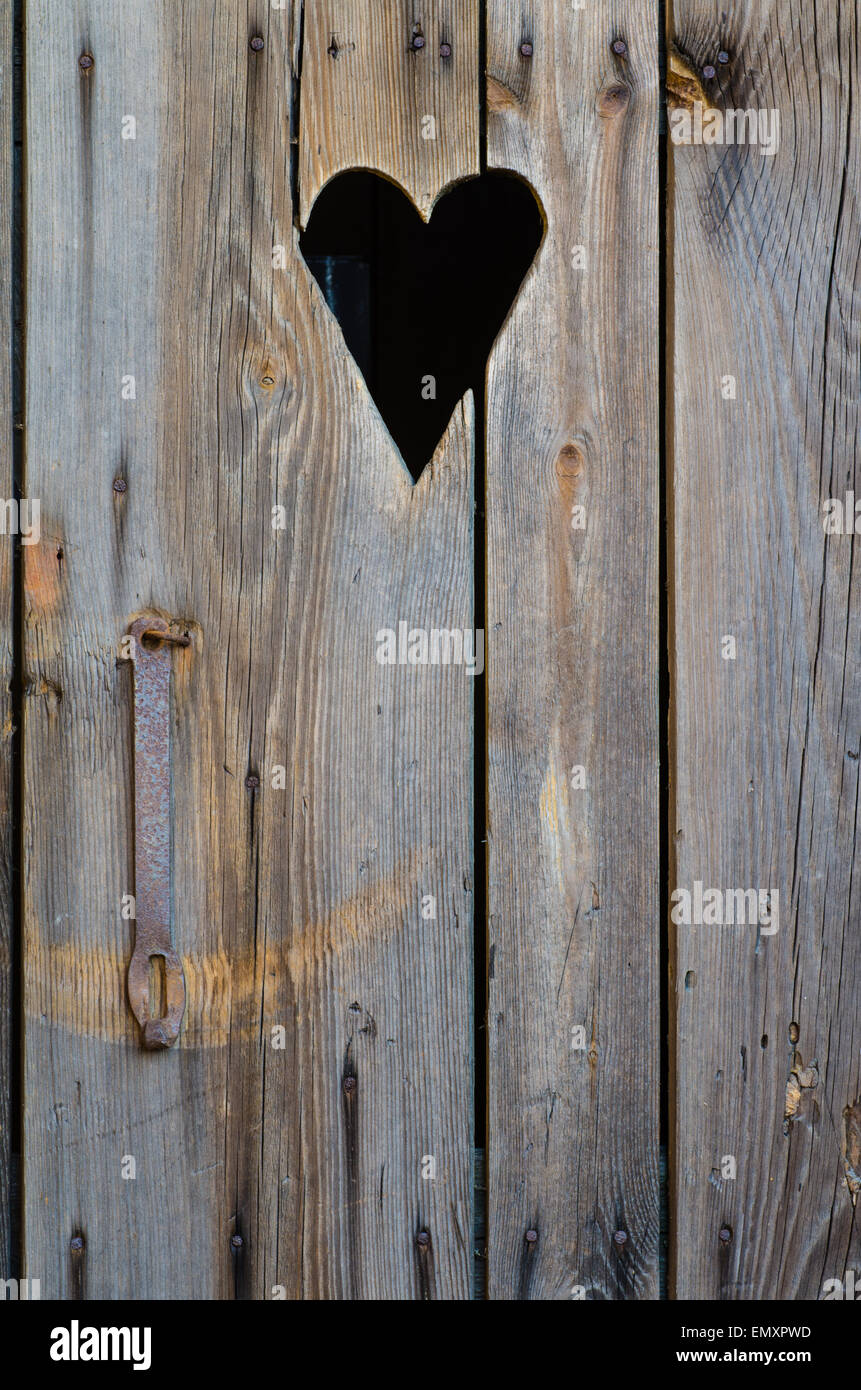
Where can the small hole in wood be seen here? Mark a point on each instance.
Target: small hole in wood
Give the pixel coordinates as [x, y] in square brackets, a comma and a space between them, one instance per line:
[157, 987]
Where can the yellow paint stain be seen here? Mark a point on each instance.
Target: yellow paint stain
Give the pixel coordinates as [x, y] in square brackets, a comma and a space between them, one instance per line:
[684, 87]
[79, 988]
[42, 578]
[548, 804]
[553, 811]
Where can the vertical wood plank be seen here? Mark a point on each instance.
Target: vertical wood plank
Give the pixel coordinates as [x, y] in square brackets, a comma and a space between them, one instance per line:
[572, 619]
[767, 1030]
[319, 796]
[7, 542]
[373, 89]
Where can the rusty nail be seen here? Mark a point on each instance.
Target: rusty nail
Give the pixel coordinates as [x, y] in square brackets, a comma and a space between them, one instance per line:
[256, 44]
[423, 1238]
[526, 49]
[252, 781]
[445, 50]
[725, 1235]
[709, 71]
[85, 62]
[723, 57]
[76, 1243]
[531, 1237]
[236, 1242]
[349, 1084]
[620, 47]
[120, 484]
[158, 637]
[620, 1237]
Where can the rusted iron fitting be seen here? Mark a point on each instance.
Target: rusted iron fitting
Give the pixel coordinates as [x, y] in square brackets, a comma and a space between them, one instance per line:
[150, 653]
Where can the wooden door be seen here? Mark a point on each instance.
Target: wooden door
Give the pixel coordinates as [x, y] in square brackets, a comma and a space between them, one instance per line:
[443, 1036]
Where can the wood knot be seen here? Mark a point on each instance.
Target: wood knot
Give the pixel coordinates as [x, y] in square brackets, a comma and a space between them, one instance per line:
[613, 100]
[499, 97]
[571, 481]
[570, 464]
[684, 88]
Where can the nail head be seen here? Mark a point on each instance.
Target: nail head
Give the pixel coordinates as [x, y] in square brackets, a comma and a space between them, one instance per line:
[725, 1235]
[423, 1238]
[76, 1243]
[723, 57]
[620, 47]
[256, 44]
[445, 50]
[620, 1237]
[709, 71]
[236, 1242]
[418, 42]
[526, 49]
[120, 484]
[349, 1084]
[531, 1237]
[252, 781]
[85, 62]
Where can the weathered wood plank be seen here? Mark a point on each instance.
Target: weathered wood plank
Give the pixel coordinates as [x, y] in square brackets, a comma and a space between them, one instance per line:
[374, 91]
[297, 907]
[767, 280]
[572, 619]
[7, 542]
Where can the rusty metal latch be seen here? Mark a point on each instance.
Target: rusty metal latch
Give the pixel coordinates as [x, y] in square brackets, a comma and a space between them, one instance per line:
[151, 657]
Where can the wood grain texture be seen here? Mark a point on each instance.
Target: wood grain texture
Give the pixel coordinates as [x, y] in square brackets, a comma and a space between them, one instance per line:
[767, 286]
[572, 619]
[7, 543]
[372, 90]
[300, 906]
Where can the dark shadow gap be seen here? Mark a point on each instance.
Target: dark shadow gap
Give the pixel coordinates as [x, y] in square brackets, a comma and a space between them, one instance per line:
[295, 109]
[665, 578]
[17, 311]
[480, 925]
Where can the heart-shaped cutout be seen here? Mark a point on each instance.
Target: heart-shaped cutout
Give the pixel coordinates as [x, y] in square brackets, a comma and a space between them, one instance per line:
[420, 304]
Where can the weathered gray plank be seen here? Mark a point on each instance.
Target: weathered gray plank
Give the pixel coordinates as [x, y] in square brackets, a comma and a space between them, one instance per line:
[6, 642]
[298, 907]
[572, 619]
[767, 283]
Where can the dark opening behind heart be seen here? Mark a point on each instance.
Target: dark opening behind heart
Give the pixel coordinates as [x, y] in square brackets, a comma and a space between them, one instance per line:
[418, 300]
